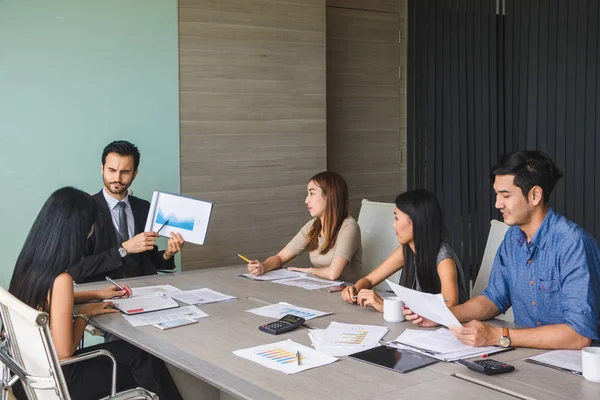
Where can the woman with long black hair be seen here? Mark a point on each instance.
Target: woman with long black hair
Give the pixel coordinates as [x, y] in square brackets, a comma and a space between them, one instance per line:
[57, 240]
[428, 263]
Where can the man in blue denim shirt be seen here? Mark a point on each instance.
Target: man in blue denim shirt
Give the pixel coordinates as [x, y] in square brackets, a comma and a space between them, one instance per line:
[547, 268]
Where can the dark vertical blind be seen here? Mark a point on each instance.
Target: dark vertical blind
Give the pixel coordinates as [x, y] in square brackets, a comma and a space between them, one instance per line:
[494, 76]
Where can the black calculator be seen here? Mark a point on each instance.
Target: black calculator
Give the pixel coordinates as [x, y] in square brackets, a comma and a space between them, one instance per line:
[285, 324]
[487, 366]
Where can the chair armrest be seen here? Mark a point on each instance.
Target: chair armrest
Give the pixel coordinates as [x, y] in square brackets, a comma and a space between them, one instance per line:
[94, 354]
[92, 330]
[20, 373]
[137, 393]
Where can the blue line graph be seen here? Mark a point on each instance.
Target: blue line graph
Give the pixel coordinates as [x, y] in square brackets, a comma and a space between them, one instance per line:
[174, 221]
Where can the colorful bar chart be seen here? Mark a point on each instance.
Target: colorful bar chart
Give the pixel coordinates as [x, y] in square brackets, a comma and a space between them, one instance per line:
[279, 355]
[353, 337]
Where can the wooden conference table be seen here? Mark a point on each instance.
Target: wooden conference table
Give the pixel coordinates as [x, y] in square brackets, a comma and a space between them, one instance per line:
[201, 360]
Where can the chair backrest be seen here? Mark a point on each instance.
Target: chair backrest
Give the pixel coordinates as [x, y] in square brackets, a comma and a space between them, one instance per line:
[496, 236]
[378, 239]
[32, 353]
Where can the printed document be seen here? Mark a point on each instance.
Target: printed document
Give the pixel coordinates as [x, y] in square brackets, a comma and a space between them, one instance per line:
[440, 344]
[273, 275]
[144, 290]
[165, 316]
[201, 296]
[141, 304]
[566, 360]
[184, 215]
[430, 306]
[343, 339]
[308, 282]
[280, 309]
[283, 356]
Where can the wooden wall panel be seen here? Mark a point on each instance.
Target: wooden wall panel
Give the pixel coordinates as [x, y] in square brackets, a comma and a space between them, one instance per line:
[363, 101]
[253, 130]
[390, 6]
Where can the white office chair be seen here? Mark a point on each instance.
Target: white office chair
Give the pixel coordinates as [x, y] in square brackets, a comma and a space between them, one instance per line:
[378, 239]
[28, 352]
[497, 231]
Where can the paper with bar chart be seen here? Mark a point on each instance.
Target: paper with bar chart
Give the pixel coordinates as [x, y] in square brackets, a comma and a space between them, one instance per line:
[280, 309]
[308, 282]
[173, 213]
[281, 356]
[343, 339]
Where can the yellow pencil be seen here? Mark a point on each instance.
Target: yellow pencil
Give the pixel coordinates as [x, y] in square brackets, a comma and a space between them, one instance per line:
[244, 258]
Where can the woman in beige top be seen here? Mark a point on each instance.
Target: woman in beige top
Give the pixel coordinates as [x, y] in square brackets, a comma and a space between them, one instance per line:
[332, 237]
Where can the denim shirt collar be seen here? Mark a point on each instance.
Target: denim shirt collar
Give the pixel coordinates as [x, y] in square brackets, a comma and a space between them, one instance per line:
[541, 236]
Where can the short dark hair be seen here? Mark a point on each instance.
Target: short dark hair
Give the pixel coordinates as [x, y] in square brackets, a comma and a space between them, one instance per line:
[530, 168]
[122, 148]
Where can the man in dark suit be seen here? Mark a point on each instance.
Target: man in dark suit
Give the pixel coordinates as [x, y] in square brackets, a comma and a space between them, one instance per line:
[118, 247]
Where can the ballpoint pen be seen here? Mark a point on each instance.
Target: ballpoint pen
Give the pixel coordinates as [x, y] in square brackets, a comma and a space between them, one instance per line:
[127, 291]
[298, 357]
[163, 225]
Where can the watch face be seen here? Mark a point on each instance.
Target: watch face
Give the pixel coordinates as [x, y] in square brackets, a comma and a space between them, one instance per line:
[122, 252]
[504, 341]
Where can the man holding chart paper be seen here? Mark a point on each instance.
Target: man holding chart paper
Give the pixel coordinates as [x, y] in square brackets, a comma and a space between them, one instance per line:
[118, 247]
[547, 267]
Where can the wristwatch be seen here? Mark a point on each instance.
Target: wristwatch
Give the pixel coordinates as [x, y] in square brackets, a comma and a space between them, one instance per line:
[122, 251]
[82, 316]
[504, 340]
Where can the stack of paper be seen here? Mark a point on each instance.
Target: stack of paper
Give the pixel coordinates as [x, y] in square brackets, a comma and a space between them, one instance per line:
[274, 275]
[144, 303]
[282, 308]
[307, 282]
[201, 296]
[144, 290]
[283, 356]
[564, 360]
[343, 339]
[440, 344]
[172, 314]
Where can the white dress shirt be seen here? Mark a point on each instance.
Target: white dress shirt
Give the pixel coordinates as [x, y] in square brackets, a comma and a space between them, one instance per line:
[112, 206]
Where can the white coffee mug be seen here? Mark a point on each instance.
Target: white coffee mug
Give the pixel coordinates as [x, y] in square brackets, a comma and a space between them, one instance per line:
[392, 309]
[590, 363]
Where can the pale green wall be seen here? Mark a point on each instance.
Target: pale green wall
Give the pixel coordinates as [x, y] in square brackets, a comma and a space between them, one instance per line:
[75, 75]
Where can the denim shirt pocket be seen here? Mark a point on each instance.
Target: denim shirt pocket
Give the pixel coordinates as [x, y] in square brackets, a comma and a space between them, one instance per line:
[550, 298]
[548, 286]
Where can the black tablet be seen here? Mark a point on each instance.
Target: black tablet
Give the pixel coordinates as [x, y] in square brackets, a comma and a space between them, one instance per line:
[399, 360]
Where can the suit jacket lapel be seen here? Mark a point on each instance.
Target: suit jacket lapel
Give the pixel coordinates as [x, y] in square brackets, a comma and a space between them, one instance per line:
[139, 218]
[105, 223]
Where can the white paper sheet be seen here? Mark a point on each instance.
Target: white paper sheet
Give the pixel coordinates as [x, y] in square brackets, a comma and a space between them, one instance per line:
[273, 275]
[280, 309]
[281, 356]
[186, 216]
[569, 360]
[147, 303]
[308, 282]
[343, 339]
[430, 306]
[165, 316]
[201, 296]
[440, 344]
[144, 290]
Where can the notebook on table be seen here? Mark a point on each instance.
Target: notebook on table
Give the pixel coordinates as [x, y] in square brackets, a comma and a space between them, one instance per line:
[145, 303]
